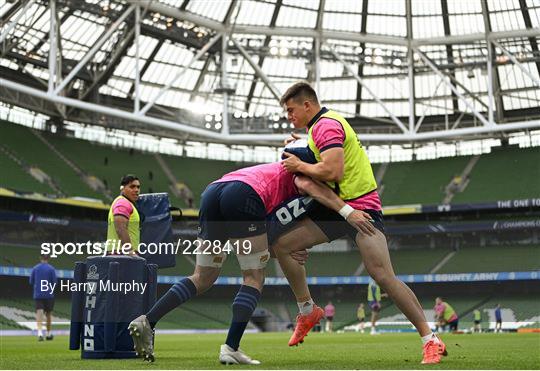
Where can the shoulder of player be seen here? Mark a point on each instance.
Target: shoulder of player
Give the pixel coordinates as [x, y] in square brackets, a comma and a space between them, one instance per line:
[325, 125]
[327, 122]
[123, 202]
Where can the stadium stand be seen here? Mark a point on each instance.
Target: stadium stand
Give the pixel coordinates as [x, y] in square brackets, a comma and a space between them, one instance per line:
[112, 163]
[28, 256]
[418, 261]
[331, 264]
[522, 307]
[18, 178]
[186, 263]
[208, 313]
[402, 182]
[511, 173]
[28, 148]
[198, 173]
[494, 259]
[419, 181]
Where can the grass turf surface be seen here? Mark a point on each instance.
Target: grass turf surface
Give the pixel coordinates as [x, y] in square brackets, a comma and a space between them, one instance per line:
[320, 351]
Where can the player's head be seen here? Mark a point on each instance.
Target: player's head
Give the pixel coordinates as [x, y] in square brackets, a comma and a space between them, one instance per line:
[130, 187]
[438, 300]
[301, 104]
[44, 257]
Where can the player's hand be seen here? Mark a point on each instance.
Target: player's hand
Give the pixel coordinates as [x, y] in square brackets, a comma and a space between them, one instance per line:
[362, 222]
[300, 256]
[291, 139]
[291, 163]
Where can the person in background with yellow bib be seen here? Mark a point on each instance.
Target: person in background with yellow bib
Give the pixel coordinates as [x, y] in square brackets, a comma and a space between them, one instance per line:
[343, 165]
[361, 315]
[123, 223]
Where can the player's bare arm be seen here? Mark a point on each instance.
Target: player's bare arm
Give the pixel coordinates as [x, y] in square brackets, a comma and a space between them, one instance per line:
[121, 226]
[329, 169]
[324, 195]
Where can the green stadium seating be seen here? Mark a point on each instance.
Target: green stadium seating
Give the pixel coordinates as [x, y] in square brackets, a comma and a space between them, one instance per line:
[524, 307]
[230, 267]
[28, 256]
[18, 179]
[494, 259]
[199, 313]
[91, 158]
[506, 173]
[198, 173]
[420, 182]
[404, 182]
[333, 263]
[416, 261]
[27, 147]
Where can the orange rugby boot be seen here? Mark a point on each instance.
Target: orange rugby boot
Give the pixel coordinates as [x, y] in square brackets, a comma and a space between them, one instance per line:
[304, 323]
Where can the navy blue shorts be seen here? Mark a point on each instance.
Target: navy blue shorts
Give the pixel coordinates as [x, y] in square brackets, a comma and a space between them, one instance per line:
[334, 226]
[46, 304]
[231, 210]
[453, 325]
[374, 305]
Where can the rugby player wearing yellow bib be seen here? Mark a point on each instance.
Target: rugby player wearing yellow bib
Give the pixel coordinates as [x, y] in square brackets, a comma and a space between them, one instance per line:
[344, 166]
[123, 223]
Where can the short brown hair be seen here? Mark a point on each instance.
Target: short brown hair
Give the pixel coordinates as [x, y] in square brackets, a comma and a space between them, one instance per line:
[299, 91]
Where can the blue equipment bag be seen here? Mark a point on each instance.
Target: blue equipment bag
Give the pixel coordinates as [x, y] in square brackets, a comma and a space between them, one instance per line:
[154, 209]
[114, 290]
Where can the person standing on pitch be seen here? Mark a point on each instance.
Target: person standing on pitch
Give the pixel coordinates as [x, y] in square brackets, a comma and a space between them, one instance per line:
[477, 320]
[361, 315]
[44, 299]
[344, 166]
[374, 301]
[329, 313]
[498, 319]
[232, 219]
[124, 221]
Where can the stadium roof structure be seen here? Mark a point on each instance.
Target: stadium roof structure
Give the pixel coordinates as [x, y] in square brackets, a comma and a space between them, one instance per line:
[400, 70]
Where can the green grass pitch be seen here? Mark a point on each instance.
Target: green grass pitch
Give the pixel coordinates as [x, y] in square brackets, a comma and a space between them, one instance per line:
[320, 351]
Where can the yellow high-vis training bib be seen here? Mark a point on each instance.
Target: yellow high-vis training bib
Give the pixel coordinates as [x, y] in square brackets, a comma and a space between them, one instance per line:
[358, 178]
[133, 228]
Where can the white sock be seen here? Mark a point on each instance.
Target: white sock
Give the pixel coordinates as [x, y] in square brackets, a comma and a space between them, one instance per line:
[40, 333]
[48, 333]
[306, 307]
[429, 337]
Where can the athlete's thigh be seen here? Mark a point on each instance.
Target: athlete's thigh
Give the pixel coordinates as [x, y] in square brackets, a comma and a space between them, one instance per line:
[374, 250]
[304, 235]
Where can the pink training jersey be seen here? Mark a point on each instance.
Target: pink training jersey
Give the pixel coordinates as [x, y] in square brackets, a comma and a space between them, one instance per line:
[329, 310]
[271, 181]
[439, 310]
[122, 207]
[328, 134]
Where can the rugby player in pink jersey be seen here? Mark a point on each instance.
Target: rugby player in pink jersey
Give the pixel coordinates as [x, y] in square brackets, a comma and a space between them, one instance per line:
[234, 210]
[344, 166]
